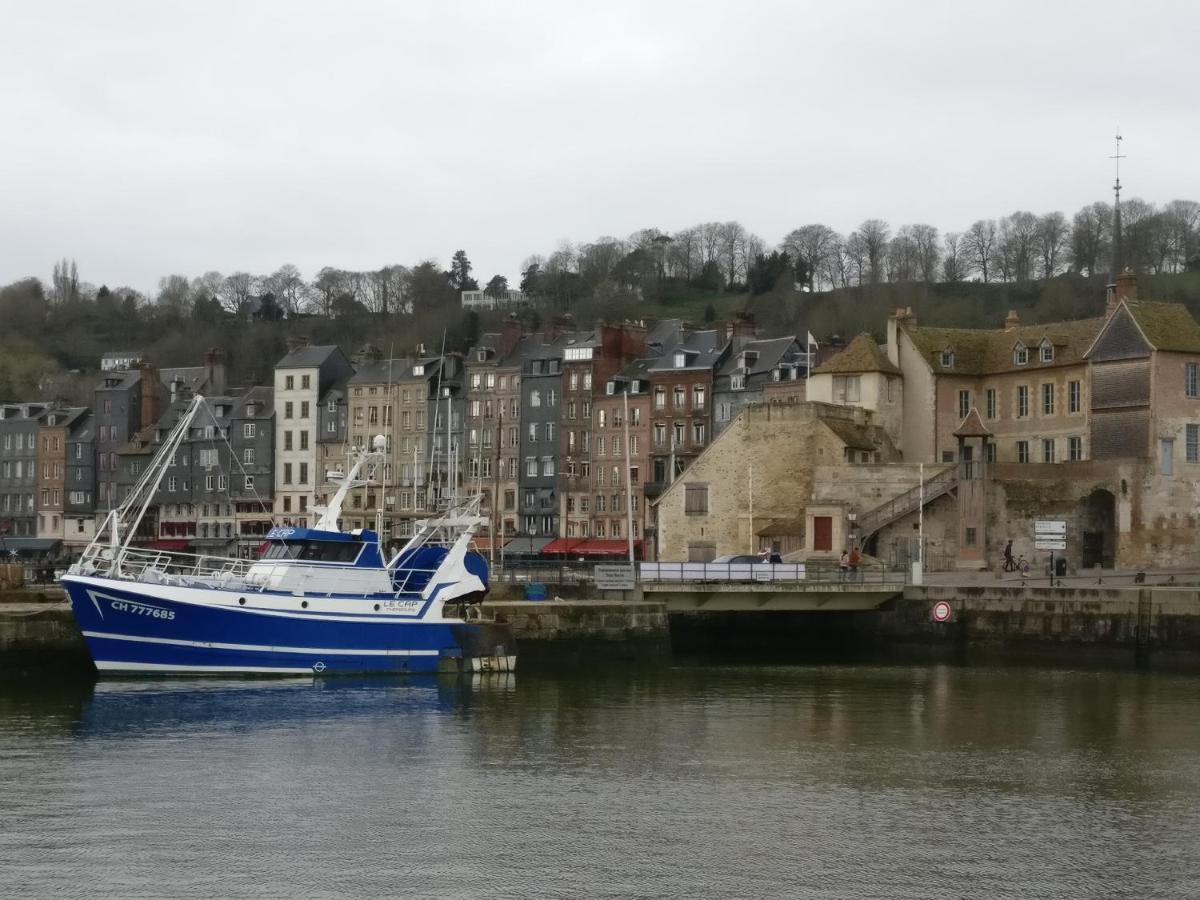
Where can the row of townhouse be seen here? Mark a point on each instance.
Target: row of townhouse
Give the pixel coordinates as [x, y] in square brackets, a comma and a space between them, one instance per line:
[566, 433]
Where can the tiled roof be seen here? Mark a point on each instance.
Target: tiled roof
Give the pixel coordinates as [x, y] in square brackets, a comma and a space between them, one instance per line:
[857, 437]
[980, 352]
[861, 355]
[972, 426]
[1168, 326]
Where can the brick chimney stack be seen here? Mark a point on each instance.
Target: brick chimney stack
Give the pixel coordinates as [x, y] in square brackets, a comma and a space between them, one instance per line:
[510, 333]
[151, 401]
[214, 371]
[1012, 320]
[1126, 287]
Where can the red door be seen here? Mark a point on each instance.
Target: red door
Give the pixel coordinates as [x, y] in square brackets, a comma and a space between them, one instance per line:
[822, 533]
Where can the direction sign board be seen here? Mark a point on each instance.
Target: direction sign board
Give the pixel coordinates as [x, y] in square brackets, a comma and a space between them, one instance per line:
[1050, 527]
[614, 578]
[1049, 542]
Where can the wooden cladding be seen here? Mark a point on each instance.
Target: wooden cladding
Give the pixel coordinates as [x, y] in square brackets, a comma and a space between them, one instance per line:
[1118, 385]
[1121, 434]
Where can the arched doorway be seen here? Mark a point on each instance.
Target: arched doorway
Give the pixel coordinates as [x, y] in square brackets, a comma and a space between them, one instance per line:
[1098, 529]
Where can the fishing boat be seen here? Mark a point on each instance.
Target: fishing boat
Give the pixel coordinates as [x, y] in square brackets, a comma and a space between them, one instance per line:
[317, 600]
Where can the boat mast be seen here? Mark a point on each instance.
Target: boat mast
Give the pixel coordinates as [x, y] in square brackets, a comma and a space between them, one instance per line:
[149, 483]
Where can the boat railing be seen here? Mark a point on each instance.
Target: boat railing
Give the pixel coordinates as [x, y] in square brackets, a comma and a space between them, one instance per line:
[192, 570]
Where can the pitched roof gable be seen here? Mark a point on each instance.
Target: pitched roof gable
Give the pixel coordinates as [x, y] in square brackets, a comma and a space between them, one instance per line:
[982, 352]
[861, 355]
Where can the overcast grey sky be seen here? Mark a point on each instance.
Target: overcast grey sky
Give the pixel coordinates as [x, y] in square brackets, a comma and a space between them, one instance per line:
[143, 138]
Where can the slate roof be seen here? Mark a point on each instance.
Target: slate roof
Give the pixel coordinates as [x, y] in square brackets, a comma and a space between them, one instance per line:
[1168, 326]
[771, 352]
[703, 349]
[308, 357]
[861, 355]
[982, 352]
[382, 371]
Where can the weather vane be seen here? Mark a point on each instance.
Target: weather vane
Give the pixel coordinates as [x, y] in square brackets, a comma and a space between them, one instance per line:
[1118, 156]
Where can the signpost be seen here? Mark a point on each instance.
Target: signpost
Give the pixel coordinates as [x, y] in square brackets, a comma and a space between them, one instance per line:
[614, 578]
[1050, 534]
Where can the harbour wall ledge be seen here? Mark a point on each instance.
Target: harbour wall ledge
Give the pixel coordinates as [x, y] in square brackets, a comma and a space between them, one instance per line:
[1155, 625]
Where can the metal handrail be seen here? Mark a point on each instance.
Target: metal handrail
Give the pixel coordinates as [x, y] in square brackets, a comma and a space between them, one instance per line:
[216, 572]
[902, 504]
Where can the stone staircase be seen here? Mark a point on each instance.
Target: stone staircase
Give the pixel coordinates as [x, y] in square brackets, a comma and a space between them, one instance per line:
[903, 504]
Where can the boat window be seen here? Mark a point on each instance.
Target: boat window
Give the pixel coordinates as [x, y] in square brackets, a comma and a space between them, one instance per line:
[314, 551]
[329, 551]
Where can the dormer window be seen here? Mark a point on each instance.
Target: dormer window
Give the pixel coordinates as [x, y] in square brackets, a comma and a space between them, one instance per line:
[1020, 355]
[680, 360]
[1047, 352]
[737, 381]
[610, 388]
[777, 374]
[947, 359]
[481, 355]
[419, 369]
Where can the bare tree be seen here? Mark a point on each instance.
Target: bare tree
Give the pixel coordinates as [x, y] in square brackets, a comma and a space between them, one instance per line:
[236, 292]
[732, 238]
[925, 237]
[1090, 232]
[174, 293]
[1052, 234]
[979, 246]
[857, 261]
[901, 256]
[954, 266]
[815, 245]
[1183, 221]
[873, 234]
[287, 286]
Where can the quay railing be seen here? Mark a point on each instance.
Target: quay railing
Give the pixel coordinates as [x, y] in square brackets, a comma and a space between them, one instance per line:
[810, 574]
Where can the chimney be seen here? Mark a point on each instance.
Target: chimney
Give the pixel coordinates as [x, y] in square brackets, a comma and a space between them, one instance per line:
[151, 403]
[559, 326]
[742, 331]
[1124, 290]
[1012, 320]
[903, 318]
[214, 371]
[510, 333]
[298, 342]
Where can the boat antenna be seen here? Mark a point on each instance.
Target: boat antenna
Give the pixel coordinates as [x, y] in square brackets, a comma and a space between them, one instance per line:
[437, 401]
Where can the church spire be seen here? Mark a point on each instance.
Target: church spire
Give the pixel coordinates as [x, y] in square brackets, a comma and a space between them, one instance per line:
[1118, 248]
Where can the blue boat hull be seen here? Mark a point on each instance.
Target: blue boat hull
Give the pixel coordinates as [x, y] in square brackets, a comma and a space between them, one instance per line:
[129, 630]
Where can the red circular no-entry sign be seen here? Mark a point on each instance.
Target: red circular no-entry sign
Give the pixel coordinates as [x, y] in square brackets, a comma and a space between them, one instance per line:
[942, 611]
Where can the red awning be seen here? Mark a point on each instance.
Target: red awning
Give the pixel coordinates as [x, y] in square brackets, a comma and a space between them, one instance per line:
[177, 546]
[589, 547]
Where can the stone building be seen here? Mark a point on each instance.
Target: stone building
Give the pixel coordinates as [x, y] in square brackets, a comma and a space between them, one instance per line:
[862, 375]
[681, 383]
[541, 420]
[126, 402]
[19, 426]
[1029, 383]
[492, 373]
[54, 427]
[79, 499]
[251, 479]
[302, 378]
[761, 471]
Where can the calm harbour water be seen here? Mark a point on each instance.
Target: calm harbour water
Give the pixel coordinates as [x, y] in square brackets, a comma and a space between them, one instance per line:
[676, 780]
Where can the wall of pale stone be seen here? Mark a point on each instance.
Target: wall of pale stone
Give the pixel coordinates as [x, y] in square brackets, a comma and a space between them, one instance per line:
[776, 448]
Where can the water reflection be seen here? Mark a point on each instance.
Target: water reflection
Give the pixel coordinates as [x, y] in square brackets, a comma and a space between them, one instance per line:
[692, 779]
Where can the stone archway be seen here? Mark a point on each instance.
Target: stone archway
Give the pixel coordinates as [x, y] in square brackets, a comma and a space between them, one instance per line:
[1098, 529]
